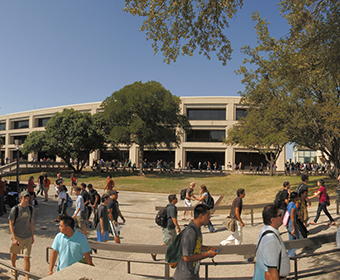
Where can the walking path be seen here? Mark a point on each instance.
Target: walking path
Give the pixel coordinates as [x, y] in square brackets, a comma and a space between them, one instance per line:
[139, 211]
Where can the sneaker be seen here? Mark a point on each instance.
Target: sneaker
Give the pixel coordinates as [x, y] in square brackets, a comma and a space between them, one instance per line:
[224, 242]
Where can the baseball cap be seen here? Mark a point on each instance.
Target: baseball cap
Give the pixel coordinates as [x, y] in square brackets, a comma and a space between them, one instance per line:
[113, 192]
[24, 193]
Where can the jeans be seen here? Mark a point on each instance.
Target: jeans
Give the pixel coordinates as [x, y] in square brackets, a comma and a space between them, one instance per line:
[291, 252]
[211, 227]
[323, 206]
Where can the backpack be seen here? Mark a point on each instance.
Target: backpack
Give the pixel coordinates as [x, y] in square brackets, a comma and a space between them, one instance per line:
[278, 199]
[301, 188]
[16, 213]
[162, 217]
[210, 202]
[174, 252]
[69, 201]
[96, 217]
[183, 194]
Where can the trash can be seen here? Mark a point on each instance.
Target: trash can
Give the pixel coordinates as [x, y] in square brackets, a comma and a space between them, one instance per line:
[12, 199]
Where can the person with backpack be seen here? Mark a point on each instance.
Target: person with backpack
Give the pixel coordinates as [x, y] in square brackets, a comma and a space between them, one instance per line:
[87, 200]
[169, 231]
[205, 198]
[272, 261]
[79, 214]
[192, 248]
[95, 198]
[292, 228]
[62, 203]
[21, 228]
[323, 203]
[189, 196]
[282, 197]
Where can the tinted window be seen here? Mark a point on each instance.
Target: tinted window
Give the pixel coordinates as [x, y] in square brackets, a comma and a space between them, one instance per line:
[20, 124]
[2, 126]
[206, 114]
[205, 136]
[241, 113]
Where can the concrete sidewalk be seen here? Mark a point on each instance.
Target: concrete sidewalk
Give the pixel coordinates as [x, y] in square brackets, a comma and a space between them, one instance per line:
[140, 228]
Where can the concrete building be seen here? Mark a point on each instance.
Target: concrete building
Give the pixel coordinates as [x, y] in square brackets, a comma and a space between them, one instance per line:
[210, 118]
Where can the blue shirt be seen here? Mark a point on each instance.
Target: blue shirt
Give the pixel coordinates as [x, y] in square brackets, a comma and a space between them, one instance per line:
[291, 206]
[70, 250]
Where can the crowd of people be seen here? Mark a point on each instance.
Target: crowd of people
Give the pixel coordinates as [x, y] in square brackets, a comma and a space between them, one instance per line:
[290, 208]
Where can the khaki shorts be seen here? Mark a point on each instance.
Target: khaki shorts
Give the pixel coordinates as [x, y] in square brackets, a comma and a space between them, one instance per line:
[46, 189]
[25, 246]
[80, 221]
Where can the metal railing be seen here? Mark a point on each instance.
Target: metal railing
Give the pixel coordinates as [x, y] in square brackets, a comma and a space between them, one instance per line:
[247, 250]
[21, 271]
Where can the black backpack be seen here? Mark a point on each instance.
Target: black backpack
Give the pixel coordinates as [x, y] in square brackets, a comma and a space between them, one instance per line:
[183, 194]
[162, 217]
[278, 199]
[210, 202]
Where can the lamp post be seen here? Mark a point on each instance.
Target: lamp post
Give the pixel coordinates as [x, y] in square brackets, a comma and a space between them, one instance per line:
[17, 143]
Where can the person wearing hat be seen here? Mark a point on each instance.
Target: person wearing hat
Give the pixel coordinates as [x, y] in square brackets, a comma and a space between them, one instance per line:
[21, 228]
[114, 212]
[103, 224]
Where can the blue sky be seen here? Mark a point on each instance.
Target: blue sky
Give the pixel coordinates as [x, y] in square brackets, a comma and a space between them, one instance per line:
[55, 53]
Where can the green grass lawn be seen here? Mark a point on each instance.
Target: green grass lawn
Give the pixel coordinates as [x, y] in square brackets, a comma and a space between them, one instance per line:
[259, 189]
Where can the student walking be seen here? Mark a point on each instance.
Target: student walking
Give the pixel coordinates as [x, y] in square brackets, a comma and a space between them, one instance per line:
[323, 203]
[292, 228]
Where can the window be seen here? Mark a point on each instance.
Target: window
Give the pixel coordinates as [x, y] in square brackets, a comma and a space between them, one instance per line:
[3, 126]
[20, 124]
[240, 113]
[205, 135]
[206, 114]
[43, 122]
[20, 137]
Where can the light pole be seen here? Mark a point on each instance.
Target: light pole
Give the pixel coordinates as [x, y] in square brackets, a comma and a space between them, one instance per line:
[17, 143]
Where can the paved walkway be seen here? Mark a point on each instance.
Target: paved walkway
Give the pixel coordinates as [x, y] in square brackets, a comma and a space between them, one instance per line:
[140, 228]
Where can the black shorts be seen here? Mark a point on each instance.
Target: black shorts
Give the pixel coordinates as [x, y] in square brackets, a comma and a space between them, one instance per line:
[31, 193]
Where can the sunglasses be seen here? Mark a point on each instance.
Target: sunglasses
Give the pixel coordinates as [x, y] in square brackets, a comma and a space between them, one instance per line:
[280, 215]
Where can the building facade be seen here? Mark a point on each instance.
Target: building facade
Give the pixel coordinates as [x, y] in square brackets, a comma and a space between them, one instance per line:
[210, 118]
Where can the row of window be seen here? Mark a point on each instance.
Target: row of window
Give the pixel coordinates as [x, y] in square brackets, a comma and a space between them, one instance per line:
[193, 114]
[25, 124]
[213, 114]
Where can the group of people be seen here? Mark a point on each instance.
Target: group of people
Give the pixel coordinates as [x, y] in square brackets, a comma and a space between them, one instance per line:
[71, 245]
[272, 260]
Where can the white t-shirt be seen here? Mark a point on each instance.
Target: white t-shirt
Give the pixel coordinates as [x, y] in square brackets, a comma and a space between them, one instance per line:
[268, 253]
[62, 196]
[79, 205]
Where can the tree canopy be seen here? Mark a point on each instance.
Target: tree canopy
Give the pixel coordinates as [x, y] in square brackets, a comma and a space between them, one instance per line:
[69, 134]
[184, 26]
[145, 114]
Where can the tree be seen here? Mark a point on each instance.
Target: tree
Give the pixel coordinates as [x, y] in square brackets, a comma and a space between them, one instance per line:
[145, 114]
[183, 26]
[69, 134]
[303, 75]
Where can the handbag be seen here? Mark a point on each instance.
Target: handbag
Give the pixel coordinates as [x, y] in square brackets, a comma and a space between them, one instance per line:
[286, 219]
[230, 223]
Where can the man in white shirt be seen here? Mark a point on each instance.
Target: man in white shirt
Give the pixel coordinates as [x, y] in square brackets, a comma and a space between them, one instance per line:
[272, 261]
[80, 214]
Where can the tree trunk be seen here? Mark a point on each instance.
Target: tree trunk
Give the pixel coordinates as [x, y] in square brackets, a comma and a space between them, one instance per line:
[140, 160]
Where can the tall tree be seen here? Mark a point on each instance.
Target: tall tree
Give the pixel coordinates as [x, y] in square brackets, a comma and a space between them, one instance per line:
[145, 114]
[69, 134]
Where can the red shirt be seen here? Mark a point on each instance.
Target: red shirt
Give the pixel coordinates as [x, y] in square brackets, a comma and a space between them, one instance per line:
[110, 184]
[30, 186]
[47, 183]
[322, 195]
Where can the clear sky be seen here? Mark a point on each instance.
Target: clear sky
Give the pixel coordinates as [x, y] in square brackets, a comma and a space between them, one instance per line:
[62, 52]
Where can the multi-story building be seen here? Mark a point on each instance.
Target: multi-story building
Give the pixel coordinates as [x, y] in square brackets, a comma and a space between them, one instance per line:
[210, 118]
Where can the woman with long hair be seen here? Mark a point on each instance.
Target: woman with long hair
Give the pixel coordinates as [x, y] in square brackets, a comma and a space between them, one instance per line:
[203, 199]
[323, 201]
